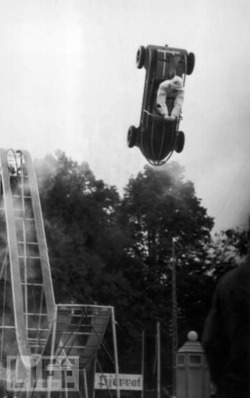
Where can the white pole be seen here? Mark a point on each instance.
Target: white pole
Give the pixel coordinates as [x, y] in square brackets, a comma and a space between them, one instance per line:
[158, 339]
[52, 353]
[115, 351]
[85, 384]
[174, 316]
[142, 362]
[95, 362]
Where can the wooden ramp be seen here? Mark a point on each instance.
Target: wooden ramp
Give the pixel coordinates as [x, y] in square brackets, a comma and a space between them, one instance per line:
[79, 331]
[32, 289]
[45, 332]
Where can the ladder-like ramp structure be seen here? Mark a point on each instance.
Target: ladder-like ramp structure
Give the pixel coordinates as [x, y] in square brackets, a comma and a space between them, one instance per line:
[79, 331]
[42, 328]
[32, 289]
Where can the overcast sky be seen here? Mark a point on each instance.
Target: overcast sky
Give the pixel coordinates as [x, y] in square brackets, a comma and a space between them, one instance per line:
[68, 81]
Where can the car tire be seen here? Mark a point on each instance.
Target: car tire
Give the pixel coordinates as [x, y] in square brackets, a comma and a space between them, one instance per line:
[132, 136]
[190, 63]
[180, 142]
[140, 57]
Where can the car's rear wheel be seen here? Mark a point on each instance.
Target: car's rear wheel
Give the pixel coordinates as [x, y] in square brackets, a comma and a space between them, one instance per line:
[140, 57]
[190, 63]
[180, 142]
[132, 136]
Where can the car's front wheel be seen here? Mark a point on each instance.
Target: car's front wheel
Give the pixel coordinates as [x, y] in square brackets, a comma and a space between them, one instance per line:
[190, 63]
[140, 57]
[180, 142]
[132, 136]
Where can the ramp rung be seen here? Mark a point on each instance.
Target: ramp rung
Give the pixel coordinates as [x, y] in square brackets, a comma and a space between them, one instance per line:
[36, 339]
[35, 314]
[32, 284]
[27, 243]
[7, 327]
[24, 218]
[30, 257]
[83, 333]
[78, 347]
[21, 196]
[38, 330]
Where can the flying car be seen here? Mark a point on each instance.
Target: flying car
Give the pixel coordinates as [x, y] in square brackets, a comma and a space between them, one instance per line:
[156, 137]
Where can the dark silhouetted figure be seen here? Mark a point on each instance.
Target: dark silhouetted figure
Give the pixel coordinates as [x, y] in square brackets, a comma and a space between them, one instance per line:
[226, 337]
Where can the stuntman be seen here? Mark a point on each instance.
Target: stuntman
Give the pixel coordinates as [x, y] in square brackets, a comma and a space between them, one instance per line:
[170, 90]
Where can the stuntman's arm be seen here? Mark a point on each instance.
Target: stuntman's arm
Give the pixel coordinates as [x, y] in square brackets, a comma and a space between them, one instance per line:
[162, 97]
[178, 103]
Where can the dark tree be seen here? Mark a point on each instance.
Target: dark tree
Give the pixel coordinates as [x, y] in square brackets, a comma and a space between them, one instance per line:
[84, 239]
[162, 210]
[164, 213]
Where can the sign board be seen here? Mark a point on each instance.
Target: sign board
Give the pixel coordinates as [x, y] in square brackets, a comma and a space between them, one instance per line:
[108, 381]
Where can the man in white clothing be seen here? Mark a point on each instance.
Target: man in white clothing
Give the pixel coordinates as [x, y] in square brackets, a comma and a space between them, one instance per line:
[173, 91]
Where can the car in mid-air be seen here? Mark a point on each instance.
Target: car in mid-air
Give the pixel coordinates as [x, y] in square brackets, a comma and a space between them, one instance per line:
[156, 137]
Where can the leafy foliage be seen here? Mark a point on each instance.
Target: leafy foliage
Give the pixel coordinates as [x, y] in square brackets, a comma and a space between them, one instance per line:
[227, 249]
[83, 237]
[120, 252]
[163, 212]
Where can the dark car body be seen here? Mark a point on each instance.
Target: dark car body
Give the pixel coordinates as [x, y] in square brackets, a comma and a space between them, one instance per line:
[156, 137]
